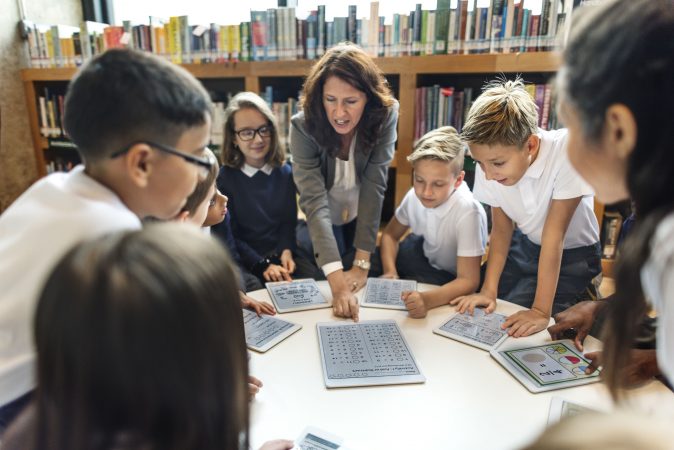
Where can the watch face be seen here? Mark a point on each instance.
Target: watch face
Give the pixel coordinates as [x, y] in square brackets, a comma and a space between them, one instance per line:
[365, 265]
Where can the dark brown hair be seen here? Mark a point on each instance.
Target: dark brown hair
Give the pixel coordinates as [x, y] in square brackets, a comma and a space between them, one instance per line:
[351, 64]
[140, 336]
[231, 154]
[622, 52]
[198, 196]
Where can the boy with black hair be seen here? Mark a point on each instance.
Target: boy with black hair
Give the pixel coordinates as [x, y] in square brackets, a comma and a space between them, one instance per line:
[140, 125]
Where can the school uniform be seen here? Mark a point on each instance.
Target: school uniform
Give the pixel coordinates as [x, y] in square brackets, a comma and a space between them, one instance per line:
[457, 227]
[549, 177]
[657, 280]
[36, 231]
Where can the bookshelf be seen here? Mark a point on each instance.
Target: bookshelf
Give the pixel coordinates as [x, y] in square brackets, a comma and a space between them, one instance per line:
[404, 73]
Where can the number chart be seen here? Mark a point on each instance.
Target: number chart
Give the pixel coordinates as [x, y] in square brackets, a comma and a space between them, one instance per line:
[365, 354]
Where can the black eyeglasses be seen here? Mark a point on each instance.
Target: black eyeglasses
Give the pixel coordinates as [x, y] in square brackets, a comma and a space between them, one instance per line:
[205, 164]
[248, 134]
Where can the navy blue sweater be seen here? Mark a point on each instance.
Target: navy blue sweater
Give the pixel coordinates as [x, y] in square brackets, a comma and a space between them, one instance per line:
[262, 209]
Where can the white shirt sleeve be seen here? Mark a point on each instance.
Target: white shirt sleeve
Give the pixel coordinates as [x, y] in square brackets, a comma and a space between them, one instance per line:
[568, 183]
[472, 234]
[402, 213]
[481, 190]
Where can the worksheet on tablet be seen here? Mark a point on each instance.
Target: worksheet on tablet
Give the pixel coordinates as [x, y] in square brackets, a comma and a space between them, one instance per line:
[386, 293]
[366, 353]
[264, 332]
[546, 367]
[481, 330]
[296, 295]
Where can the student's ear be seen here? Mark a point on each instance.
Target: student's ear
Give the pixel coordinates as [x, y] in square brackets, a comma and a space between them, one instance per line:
[459, 179]
[137, 161]
[620, 130]
[532, 144]
[183, 216]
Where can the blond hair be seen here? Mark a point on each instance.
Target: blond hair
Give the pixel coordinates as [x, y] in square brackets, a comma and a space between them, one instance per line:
[198, 196]
[441, 144]
[504, 114]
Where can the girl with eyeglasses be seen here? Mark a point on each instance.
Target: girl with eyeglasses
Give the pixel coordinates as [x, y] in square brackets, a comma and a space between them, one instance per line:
[262, 196]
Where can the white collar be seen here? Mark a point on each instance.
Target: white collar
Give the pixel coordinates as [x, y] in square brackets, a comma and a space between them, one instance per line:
[250, 170]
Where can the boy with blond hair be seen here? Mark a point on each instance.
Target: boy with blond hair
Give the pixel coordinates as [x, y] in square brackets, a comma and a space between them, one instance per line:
[544, 246]
[449, 227]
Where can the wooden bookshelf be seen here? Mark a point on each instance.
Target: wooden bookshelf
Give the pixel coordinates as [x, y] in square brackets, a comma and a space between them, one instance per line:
[407, 69]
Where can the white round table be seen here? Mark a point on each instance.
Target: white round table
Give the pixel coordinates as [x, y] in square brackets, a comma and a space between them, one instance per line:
[469, 401]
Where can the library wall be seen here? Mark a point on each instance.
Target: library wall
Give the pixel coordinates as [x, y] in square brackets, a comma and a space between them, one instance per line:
[17, 159]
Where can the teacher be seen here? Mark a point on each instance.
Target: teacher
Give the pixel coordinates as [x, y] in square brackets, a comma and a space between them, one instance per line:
[342, 144]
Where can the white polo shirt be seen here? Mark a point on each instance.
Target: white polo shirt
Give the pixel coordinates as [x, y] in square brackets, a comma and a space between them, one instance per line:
[35, 232]
[458, 227]
[550, 177]
[657, 279]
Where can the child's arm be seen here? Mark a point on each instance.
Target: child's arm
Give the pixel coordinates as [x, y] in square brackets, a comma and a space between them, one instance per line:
[258, 307]
[467, 280]
[524, 323]
[499, 245]
[390, 240]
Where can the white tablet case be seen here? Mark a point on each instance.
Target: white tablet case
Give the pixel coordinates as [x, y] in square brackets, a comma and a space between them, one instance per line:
[264, 332]
[313, 438]
[560, 408]
[367, 353]
[296, 295]
[555, 365]
[480, 330]
[385, 293]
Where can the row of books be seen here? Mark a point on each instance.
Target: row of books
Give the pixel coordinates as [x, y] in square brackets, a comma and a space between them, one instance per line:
[61, 153]
[277, 34]
[437, 106]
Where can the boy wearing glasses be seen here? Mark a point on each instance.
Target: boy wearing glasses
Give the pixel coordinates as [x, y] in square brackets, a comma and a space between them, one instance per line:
[140, 125]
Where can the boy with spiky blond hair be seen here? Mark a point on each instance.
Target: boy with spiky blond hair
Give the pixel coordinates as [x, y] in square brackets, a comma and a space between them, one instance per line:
[544, 247]
[449, 227]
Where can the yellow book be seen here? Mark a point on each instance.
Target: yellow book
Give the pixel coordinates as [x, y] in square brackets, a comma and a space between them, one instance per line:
[224, 42]
[234, 42]
[174, 47]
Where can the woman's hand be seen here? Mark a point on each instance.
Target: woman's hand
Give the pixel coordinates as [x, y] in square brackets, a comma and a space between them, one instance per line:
[356, 278]
[345, 304]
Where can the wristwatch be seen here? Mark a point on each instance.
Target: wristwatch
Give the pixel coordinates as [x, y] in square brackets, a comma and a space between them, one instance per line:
[362, 263]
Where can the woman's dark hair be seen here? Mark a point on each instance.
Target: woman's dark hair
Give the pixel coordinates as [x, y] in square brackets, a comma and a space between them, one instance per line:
[622, 52]
[351, 64]
[141, 345]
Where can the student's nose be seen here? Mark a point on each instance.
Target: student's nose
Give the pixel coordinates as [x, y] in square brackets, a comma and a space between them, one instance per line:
[488, 173]
[428, 190]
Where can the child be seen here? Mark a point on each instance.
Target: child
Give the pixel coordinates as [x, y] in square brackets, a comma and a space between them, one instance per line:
[140, 125]
[256, 177]
[140, 345]
[206, 206]
[449, 226]
[197, 204]
[523, 173]
[617, 93]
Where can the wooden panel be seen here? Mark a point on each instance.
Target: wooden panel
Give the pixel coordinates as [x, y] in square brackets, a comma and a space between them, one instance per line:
[33, 114]
[408, 84]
